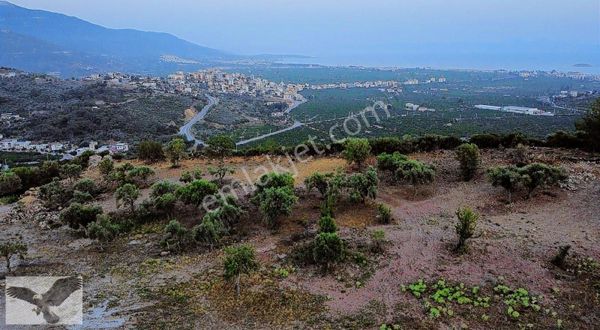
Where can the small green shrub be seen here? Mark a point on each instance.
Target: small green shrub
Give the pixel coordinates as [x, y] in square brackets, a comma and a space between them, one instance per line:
[127, 195]
[470, 159]
[327, 225]
[79, 216]
[384, 214]
[176, 237]
[10, 183]
[328, 248]
[465, 228]
[196, 192]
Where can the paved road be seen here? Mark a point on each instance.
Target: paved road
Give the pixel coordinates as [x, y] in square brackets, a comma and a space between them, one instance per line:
[186, 130]
[296, 125]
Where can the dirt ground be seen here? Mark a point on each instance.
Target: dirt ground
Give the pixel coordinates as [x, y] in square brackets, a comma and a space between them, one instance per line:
[131, 283]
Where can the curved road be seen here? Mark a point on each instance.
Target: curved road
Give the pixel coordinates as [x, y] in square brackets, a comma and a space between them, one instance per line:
[294, 126]
[186, 130]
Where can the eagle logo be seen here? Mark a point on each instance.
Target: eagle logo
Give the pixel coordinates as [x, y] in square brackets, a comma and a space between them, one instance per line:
[62, 289]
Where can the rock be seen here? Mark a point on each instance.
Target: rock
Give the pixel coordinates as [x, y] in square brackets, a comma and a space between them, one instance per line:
[81, 243]
[165, 253]
[134, 242]
[94, 161]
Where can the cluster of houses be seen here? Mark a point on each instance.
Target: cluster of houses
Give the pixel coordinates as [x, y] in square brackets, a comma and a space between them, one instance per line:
[57, 148]
[417, 107]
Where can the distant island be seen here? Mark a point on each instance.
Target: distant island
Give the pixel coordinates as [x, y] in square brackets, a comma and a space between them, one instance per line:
[582, 65]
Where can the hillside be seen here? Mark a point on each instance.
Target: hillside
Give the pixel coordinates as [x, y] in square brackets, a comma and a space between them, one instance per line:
[35, 40]
[135, 280]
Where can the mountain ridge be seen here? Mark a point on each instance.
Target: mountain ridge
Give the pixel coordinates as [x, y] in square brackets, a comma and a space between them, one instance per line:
[123, 49]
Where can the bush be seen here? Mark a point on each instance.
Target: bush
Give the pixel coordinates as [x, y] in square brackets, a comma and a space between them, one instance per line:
[10, 249]
[390, 162]
[505, 177]
[328, 248]
[71, 171]
[86, 186]
[384, 214]
[276, 202]
[239, 260]
[210, 231]
[176, 237]
[195, 192]
[470, 159]
[165, 203]
[219, 172]
[106, 166]
[163, 187]
[327, 225]
[127, 194]
[82, 197]
[537, 175]
[356, 151]
[30, 176]
[465, 228]
[274, 180]
[150, 151]
[415, 173]
[79, 216]
[10, 183]
[319, 181]
[189, 176]
[103, 229]
[54, 194]
[139, 175]
[530, 177]
[363, 186]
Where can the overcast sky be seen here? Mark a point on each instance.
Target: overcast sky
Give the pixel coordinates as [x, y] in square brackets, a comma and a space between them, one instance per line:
[325, 27]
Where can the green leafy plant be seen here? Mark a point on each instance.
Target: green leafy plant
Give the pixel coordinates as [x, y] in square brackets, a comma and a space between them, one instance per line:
[470, 159]
[127, 195]
[327, 225]
[176, 237]
[79, 216]
[363, 185]
[356, 151]
[384, 215]
[276, 202]
[10, 183]
[328, 248]
[150, 151]
[175, 151]
[465, 228]
[196, 192]
[505, 177]
[239, 260]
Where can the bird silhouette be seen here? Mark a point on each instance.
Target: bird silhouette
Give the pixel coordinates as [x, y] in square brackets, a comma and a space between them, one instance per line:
[58, 293]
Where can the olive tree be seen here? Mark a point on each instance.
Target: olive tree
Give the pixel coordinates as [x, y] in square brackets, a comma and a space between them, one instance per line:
[508, 178]
[276, 202]
[356, 151]
[127, 194]
[175, 151]
[238, 261]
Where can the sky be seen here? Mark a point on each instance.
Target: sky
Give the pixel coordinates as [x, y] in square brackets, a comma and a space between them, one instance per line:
[373, 32]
